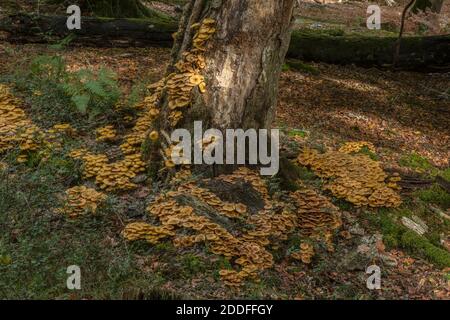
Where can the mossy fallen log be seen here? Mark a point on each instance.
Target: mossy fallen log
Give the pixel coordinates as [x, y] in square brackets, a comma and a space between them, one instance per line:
[431, 53]
[101, 32]
[427, 53]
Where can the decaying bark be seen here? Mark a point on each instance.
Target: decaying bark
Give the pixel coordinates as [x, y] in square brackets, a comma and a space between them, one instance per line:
[244, 59]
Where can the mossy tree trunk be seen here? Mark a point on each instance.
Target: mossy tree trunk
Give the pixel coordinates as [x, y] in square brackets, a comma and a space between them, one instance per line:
[243, 60]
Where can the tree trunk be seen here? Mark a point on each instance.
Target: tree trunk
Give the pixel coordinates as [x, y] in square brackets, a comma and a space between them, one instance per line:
[243, 59]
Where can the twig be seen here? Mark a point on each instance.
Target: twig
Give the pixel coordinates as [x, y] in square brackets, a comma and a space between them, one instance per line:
[439, 212]
[402, 27]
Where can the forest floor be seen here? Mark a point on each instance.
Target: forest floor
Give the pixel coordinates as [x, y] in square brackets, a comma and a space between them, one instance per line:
[405, 116]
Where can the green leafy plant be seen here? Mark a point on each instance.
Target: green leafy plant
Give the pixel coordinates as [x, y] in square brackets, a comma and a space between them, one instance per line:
[92, 93]
[48, 69]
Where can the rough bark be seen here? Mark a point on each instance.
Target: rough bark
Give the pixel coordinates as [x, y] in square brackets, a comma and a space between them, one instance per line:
[244, 59]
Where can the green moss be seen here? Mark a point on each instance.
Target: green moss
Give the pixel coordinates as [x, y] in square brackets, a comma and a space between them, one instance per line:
[298, 65]
[420, 245]
[365, 150]
[416, 162]
[192, 264]
[297, 133]
[390, 241]
[398, 236]
[445, 174]
[435, 195]
[285, 67]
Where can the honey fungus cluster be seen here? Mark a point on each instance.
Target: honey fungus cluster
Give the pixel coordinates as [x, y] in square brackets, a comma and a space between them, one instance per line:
[180, 84]
[144, 231]
[106, 133]
[187, 75]
[31, 139]
[16, 129]
[250, 256]
[189, 226]
[355, 178]
[115, 176]
[355, 147]
[227, 209]
[317, 217]
[81, 201]
[305, 254]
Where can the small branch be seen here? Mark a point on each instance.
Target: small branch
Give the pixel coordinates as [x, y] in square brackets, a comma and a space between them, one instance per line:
[402, 27]
[439, 212]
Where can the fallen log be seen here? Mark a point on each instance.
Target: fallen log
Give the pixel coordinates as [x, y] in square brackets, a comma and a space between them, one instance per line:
[443, 183]
[431, 53]
[417, 53]
[99, 32]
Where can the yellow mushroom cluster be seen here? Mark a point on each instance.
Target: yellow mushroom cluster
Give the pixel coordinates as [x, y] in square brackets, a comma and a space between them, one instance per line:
[269, 227]
[62, 128]
[93, 163]
[106, 133]
[181, 176]
[81, 201]
[144, 231]
[248, 251]
[253, 259]
[230, 210]
[133, 141]
[53, 135]
[355, 178]
[17, 130]
[187, 76]
[355, 147]
[30, 139]
[178, 85]
[317, 217]
[116, 176]
[15, 127]
[305, 254]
